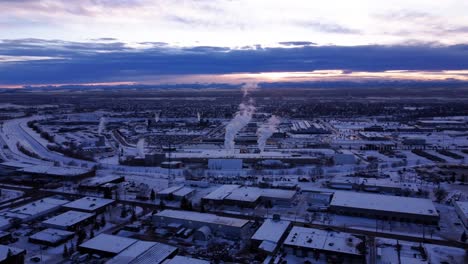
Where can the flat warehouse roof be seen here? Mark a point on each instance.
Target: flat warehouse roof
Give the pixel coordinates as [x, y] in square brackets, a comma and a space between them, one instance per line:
[203, 217]
[88, 203]
[52, 235]
[271, 230]
[323, 240]
[68, 218]
[387, 203]
[108, 243]
[221, 192]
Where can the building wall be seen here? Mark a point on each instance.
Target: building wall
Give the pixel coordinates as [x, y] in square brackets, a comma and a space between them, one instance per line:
[384, 214]
[222, 230]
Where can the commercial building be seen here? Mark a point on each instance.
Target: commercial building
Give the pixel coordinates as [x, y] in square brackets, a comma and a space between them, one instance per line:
[127, 250]
[270, 235]
[217, 225]
[34, 209]
[51, 237]
[462, 210]
[248, 196]
[384, 207]
[63, 173]
[11, 255]
[89, 204]
[310, 242]
[70, 220]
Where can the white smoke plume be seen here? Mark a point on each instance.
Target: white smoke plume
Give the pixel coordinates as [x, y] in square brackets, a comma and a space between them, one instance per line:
[141, 147]
[102, 125]
[242, 117]
[248, 87]
[156, 116]
[266, 130]
[198, 116]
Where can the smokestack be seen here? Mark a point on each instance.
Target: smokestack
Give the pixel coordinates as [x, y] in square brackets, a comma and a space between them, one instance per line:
[241, 118]
[102, 125]
[141, 147]
[266, 130]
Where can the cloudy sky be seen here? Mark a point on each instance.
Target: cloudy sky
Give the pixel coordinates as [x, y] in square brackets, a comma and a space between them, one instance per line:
[162, 41]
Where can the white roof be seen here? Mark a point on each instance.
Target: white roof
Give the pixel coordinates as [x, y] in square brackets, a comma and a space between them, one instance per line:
[156, 254]
[109, 243]
[203, 217]
[384, 203]
[89, 203]
[323, 240]
[183, 192]
[4, 251]
[132, 252]
[52, 235]
[271, 230]
[185, 260]
[68, 218]
[170, 190]
[221, 192]
[463, 206]
[34, 208]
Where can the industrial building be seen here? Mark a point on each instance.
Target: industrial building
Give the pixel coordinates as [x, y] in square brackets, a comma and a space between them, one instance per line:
[34, 209]
[70, 220]
[217, 225]
[11, 255]
[270, 235]
[248, 196]
[89, 204]
[51, 237]
[462, 210]
[310, 242]
[127, 250]
[384, 207]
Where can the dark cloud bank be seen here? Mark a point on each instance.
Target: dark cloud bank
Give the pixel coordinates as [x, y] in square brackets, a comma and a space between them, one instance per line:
[85, 62]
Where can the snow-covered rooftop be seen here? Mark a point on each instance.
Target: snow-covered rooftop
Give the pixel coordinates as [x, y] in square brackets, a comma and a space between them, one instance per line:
[463, 207]
[34, 208]
[203, 217]
[271, 230]
[5, 249]
[384, 203]
[108, 243]
[170, 190]
[221, 192]
[89, 204]
[52, 235]
[323, 240]
[67, 219]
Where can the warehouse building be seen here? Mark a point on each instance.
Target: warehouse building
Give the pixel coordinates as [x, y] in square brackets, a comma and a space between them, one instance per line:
[462, 210]
[270, 235]
[248, 196]
[384, 207]
[51, 237]
[311, 242]
[34, 209]
[90, 204]
[127, 250]
[217, 225]
[70, 220]
[11, 255]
